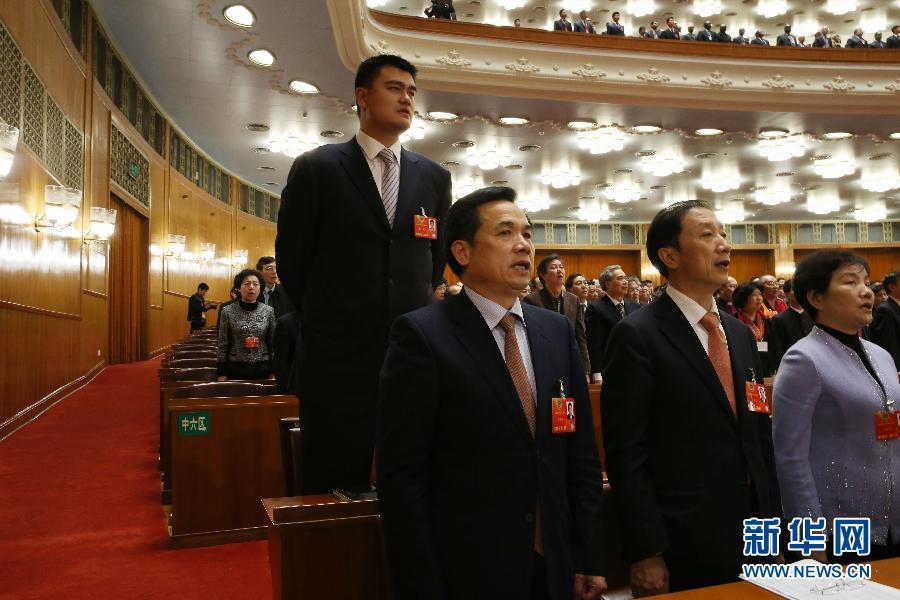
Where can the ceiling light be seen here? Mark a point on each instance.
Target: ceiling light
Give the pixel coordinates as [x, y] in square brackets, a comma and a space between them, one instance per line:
[882, 183]
[623, 193]
[662, 165]
[576, 6]
[292, 145]
[874, 212]
[771, 197]
[594, 214]
[416, 131]
[646, 128]
[840, 7]
[709, 131]
[733, 212]
[487, 161]
[771, 8]
[706, 8]
[207, 251]
[240, 15]
[466, 186]
[600, 141]
[837, 135]
[438, 115]
[176, 245]
[582, 125]
[560, 179]
[895, 135]
[832, 167]
[772, 132]
[375, 3]
[534, 204]
[514, 121]
[511, 4]
[261, 57]
[779, 149]
[721, 183]
[823, 204]
[640, 8]
[302, 87]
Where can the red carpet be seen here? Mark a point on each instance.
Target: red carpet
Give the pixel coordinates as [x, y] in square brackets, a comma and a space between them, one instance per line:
[79, 506]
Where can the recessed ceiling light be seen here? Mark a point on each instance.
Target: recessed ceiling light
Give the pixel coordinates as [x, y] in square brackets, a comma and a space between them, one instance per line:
[709, 131]
[261, 57]
[265, 168]
[271, 183]
[463, 144]
[260, 150]
[837, 135]
[581, 125]
[331, 133]
[772, 132]
[514, 120]
[257, 127]
[303, 87]
[529, 148]
[646, 128]
[895, 135]
[438, 115]
[240, 15]
[449, 163]
[513, 167]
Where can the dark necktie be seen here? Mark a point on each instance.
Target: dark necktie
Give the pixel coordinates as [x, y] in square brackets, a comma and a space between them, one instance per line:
[621, 306]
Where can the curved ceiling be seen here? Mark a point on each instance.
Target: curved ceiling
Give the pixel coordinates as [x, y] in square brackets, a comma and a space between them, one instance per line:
[195, 65]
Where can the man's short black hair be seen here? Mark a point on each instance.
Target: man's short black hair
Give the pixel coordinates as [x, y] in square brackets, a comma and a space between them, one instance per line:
[263, 261]
[368, 70]
[665, 229]
[742, 294]
[561, 11]
[890, 280]
[615, 12]
[545, 264]
[463, 220]
[570, 280]
[814, 274]
[202, 286]
[788, 286]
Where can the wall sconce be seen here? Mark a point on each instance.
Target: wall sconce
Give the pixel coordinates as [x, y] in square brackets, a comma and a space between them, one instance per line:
[785, 270]
[61, 206]
[103, 224]
[176, 245]
[9, 139]
[207, 251]
[240, 259]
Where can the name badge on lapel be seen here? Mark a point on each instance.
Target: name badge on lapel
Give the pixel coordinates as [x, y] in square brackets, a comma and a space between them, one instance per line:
[563, 412]
[251, 342]
[424, 226]
[757, 400]
[887, 425]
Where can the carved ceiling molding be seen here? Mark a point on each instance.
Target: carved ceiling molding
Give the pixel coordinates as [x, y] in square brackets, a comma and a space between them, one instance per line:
[450, 62]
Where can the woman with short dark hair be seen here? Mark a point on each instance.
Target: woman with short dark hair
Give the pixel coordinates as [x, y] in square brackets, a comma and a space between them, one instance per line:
[246, 332]
[752, 312]
[835, 395]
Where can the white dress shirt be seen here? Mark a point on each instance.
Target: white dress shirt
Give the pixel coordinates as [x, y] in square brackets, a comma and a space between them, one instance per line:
[371, 147]
[693, 312]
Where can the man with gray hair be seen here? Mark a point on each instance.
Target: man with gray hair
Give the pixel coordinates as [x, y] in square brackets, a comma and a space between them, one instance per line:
[856, 40]
[603, 314]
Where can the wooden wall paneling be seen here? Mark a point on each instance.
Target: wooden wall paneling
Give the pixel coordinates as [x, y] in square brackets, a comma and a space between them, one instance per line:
[881, 260]
[128, 285]
[746, 264]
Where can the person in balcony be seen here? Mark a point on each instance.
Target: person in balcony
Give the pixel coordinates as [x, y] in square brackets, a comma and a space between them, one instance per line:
[741, 38]
[671, 30]
[441, 9]
[653, 32]
[786, 39]
[706, 34]
[689, 36]
[517, 23]
[836, 41]
[856, 40]
[893, 42]
[614, 27]
[823, 40]
[759, 40]
[583, 24]
[641, 31]
[801, 41]
[563, 23]
[723, 36]
[877, 43]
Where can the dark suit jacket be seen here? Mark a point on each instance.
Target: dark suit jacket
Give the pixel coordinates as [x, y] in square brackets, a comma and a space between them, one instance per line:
[759, 41]
[561, 25]
[279, 301]
[705, 35]
[787, 329]
[821, 42]
[885, 329]
[613, 28]
[652, 34]
[676, 456]
[877, 44]
[599, 319]
[458, 471]
[668, 34]
[196, 308]
[856, 42]
[542, 299]
[723, 37]
[740, 40]
[331, 214]
[785, 39]
[690, 37]
[287, 353]
[579, 28]
[893, 41]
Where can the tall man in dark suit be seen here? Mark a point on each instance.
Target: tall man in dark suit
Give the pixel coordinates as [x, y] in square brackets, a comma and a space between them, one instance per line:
[272, 293]
[788, 327]
[563, 23]
[759, 39]
[197, 307]
[894, 40]
[885, 328]
[706, 34]
[583, 24]
[857, 40]
[553, 296]
[671, 30]
[603, 314]
[786, 39]
[480, 498]
[689, 36]
[614, 27]
[686, 459]
[358, 204]
[877, 43]
[741, 37]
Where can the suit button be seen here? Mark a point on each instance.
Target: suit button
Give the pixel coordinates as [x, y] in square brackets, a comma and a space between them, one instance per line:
[529, 518]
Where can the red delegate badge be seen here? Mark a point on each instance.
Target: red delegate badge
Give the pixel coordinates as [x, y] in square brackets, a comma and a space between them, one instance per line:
[425, 227]
[562, 412]
[887, 425]
[251, 342]
[757, 401]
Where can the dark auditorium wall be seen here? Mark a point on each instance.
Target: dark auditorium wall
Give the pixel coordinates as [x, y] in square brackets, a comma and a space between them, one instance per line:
[54, 305]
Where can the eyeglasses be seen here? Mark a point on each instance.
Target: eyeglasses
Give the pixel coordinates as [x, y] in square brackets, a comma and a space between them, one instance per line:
[269, 268]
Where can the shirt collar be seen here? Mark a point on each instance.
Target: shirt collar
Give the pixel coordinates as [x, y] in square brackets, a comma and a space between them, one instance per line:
[490, 311]
[689, 307]
[371, 147]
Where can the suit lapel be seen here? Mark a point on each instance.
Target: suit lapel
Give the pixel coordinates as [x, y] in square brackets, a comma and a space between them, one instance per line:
[354, 163]
[478, 342]
[537, 338]
[680, 334]
[409, 183]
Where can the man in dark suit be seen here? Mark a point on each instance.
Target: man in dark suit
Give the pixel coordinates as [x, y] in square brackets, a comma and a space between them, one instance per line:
[723, 36]
[553, 296]
[823, 40]
[788, 327]
[706, 34]
[877, 43]
[689, 36]
[563, 23]
[741, 37]
[583, 24]
[358, 205]
[479, 498]
[288, 353]
[786, 39]
[272, 293]
[894, 41]
[856, 40]
[885, 327]
[197, 307]
[671, 30]
[686, 459]
[759, 39]
[603, 314]
[614, 27]
[653, 32]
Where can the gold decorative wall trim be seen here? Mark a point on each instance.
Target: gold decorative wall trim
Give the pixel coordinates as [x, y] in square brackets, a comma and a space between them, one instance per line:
[129, 168]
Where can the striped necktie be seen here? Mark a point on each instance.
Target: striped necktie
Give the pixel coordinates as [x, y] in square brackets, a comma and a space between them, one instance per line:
[719, 356]
[390, 183]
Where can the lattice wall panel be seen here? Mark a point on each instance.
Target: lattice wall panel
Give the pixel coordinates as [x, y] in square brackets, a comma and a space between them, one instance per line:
[124, 154]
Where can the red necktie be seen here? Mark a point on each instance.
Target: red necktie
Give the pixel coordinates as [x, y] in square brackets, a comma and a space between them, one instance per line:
[718, 355]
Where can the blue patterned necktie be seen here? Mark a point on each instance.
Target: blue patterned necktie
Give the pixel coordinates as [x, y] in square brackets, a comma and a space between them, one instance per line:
[390, 183]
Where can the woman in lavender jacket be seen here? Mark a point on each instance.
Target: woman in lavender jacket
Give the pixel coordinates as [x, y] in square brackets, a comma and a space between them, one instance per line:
[828, 389]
